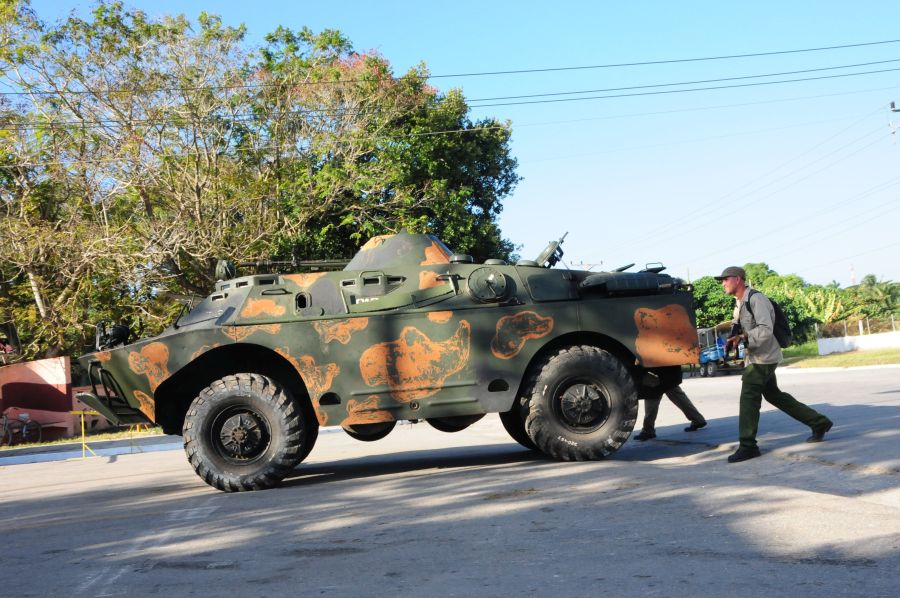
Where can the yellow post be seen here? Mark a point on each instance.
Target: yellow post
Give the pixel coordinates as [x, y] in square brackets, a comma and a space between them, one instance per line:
[84, 445]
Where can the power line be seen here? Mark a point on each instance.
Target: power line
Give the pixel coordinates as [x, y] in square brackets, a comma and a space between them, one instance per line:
[672, 91]
[850, 257]
[746, 206]
[742, 77]
[33, 125]
[456, 75]
[672, 61]
[654, 234]
[705, 108]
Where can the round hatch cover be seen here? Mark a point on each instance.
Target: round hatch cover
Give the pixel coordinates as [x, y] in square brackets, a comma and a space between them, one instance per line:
[488, 285]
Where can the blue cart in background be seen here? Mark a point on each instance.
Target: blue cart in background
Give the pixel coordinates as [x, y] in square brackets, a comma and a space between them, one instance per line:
[713, 357]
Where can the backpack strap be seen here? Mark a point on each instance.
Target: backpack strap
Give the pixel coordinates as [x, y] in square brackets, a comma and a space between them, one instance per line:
[750, 293]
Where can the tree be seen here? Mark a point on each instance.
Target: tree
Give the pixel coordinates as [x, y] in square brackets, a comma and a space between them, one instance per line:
[712, 305]
[144, 149]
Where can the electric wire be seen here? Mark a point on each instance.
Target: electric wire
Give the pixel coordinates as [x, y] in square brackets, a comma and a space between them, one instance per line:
[344, 112]
[670, 61]
[696, 82]
[691, 90]
[741, 207]
[655, 233]
[458, 75]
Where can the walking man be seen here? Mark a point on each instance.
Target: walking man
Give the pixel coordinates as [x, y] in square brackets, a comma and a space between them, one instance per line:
[762, 356]
[671, 386]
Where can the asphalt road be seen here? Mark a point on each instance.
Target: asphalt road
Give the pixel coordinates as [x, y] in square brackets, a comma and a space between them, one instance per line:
[423, 513]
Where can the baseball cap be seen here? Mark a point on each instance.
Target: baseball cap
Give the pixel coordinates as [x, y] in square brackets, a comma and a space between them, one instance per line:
[732, 271]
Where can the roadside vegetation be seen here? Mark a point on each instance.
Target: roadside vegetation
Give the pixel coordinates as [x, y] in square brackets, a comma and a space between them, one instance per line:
[139, 150]
[845, 360]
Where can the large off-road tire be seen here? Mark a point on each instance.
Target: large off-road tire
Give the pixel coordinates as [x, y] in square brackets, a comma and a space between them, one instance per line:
[456, 423]
[370, 432]
[246, 432]
[583, 404]
[514, 423]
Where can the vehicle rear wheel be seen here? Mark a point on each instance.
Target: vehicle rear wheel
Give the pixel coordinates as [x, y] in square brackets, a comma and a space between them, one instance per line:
[514, 423]
[456, 423]
[711, 369]
[246, 432]
[370, 432]
[703, 370]
[31, 432]
[583, 404]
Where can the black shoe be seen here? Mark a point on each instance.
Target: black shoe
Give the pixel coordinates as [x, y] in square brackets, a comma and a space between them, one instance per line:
[695, 426]
[743, 453]
[644, 435]
[818, 434]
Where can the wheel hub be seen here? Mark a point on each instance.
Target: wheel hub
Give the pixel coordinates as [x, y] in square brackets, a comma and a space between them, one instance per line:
[583, 406]
[242, 435]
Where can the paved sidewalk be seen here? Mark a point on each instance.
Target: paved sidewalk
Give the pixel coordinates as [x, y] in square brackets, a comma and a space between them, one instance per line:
[73, 450]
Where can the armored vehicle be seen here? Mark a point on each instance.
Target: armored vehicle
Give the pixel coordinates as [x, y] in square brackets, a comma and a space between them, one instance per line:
[406, 331]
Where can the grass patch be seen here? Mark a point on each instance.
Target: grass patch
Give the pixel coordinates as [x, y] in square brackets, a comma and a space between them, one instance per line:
[846, 360]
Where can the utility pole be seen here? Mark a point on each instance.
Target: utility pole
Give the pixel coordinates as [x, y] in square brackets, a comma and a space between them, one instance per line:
[891, 123]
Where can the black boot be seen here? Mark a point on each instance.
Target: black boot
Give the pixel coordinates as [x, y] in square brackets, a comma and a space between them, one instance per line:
[818, 434]
[743, 453]
[644, 435]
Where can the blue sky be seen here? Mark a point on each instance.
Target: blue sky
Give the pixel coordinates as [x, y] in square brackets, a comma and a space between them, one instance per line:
[804, 176]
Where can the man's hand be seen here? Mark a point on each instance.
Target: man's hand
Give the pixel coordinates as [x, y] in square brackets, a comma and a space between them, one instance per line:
[733, 342]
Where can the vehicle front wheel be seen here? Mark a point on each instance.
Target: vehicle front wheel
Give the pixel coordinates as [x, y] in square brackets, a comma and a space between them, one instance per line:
[246, 432]
[583, 404]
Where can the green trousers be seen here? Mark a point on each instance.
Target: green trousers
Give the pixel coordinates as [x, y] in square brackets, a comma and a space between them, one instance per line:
[759, 381]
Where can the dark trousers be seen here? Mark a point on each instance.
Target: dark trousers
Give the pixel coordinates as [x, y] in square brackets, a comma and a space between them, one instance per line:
[758, 382]
[680, 399]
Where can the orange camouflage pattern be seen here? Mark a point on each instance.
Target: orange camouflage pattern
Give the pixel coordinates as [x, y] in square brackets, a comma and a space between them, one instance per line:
[665, 336]
[429, 279]
[414, 366]
[318, 379]
[366, 412]
[146, 404]
[339, 330]
[374, 242]
[103, 356]
[441, 317]
[152, 361]
[239, 333]
[513, 331]
[435, 254]
[262, 307]
[304, 280]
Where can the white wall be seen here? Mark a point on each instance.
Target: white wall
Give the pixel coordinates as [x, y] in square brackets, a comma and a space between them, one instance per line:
[843, 344]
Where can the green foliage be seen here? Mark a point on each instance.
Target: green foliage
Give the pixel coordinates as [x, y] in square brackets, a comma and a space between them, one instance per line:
[712, 305]
[166, 144]
[805, 305]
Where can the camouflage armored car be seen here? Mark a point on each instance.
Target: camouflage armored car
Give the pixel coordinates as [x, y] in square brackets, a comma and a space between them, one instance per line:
[406, 331]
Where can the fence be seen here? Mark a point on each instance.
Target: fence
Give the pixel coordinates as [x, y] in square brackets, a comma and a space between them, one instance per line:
[861, 334]
[857, 327]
